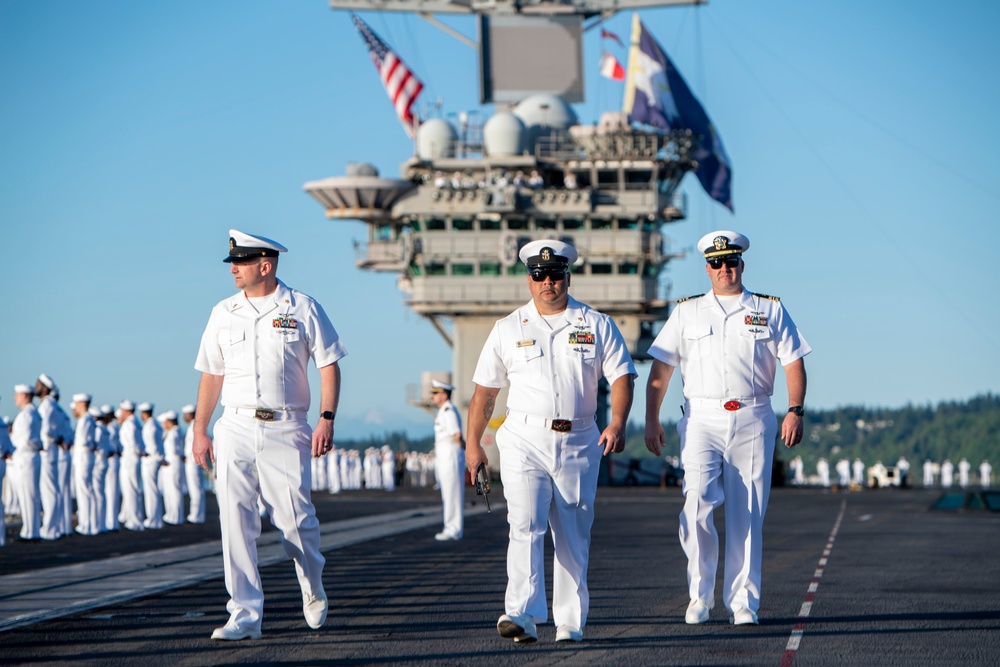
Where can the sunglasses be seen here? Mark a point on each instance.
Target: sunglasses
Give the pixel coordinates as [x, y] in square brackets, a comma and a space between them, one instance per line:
[538, 275]
[732, 262]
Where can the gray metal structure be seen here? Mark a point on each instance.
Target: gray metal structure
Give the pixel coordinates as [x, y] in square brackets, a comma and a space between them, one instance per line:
[452, 225]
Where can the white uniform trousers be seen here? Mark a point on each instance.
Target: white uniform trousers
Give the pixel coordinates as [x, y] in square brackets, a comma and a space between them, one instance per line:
[152, 497]
[83, 483]
[65, 469]
[131, 515]
[29, 468]
[726, 458]
[449, 461]
[270, 461]
[51, 497]
[332, 462]
[171, 476]
[100, 470]
[112, 495]
[196, 491]
[550, 479]
[3, 509]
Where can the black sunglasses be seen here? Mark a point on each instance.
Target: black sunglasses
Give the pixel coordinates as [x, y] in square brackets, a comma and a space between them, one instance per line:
[538, 275]
[732, 262]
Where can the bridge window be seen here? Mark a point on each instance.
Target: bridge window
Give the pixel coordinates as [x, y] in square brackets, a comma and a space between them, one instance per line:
[545, 223]
[601, 269]
[488, 225]
[435, 224]
[489, 269]
[628, 268]
[598, 223]
[517, 223]
[572, 223]
[436, 269]
[463, 269]
[462, 225]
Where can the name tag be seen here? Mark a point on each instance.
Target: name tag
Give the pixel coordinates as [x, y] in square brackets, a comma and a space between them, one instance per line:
[525, 343]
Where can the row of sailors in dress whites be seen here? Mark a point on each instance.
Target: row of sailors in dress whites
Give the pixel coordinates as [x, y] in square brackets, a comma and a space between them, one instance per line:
[121, 469]
[346, 470]
[848, 472]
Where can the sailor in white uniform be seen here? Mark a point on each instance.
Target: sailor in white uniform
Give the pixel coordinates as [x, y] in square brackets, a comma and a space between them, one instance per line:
[103, 446]
[84, 449]
[727, 344]
[130, 475]
[26, 434]
[553, 352]
[172, 472]
[254, 354]
[112, 492]
[152, 461]
[194, 475]
[6, 453]
[54, 425]
[449, 457]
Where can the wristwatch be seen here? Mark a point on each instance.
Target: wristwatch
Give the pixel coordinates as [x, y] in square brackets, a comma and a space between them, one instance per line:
[797, 409]
[328, 414]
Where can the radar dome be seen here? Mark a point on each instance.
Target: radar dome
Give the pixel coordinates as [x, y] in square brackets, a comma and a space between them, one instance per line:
[361, 169]
[504, 134]
[436, 138]
[543, 113]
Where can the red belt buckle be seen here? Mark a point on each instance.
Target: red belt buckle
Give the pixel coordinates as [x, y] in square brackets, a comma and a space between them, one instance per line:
[562, 425]
[732, 406]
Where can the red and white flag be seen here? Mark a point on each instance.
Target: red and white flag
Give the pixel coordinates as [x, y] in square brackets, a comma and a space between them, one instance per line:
[607, 34]
[611, 68]
[400, 83]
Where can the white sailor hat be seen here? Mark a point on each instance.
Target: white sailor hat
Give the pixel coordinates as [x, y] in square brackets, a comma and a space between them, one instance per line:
[169, 415]
[722, 243]
[548, 252]
[94, 412]
[438, 386]
[81, 398]
[127, 405]
[106, 410]
[248, 246]
[145, 407]
[23, 389]
[47, 381]
[5, 420]
[187, 409]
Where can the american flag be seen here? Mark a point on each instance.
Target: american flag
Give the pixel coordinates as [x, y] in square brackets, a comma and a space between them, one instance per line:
[400, 83]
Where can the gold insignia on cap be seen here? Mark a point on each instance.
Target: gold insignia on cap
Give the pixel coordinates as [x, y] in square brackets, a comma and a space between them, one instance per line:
[721, 242]
[546, 254]
[232, 243]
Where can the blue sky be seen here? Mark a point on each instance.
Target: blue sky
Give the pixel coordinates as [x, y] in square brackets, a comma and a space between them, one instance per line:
[863, 138]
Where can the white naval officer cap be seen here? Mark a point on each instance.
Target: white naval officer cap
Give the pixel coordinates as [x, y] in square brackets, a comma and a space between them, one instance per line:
[127, 405]
[23, 389]
[145, 407]
[81, 398]
[169, 415]
[548, 252]
[723, 242]
[187, 409]
[437, 386]
[244, 246]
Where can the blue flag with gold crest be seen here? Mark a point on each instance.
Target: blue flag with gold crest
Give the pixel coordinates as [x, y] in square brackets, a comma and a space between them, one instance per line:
[656, 94]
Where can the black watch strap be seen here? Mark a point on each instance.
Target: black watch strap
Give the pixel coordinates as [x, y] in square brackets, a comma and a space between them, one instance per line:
[797, 409]
[327, 414]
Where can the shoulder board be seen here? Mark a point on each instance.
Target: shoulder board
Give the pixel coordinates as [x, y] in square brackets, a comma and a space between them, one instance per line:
[768, 296]
[688, 298]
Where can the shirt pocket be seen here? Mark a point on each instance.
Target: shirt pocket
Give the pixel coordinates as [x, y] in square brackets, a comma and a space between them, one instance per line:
[528, 361]
[233, 344]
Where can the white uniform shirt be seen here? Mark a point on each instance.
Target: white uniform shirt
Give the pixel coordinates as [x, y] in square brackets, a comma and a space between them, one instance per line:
[264, 356]
[52, 426]
[152, 439]
[114, 444]
[85, 438]
[27, 431]
[553, 370]
[130, 439]
[447, 424]
[6, 446]
[173, 445]
[189, 445]
[729, 356]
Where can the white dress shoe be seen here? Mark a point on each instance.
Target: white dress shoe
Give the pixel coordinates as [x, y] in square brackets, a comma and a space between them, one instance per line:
[697, 612]
[314, 609]
[446, 537]
[564, 633]
[744, 617]
[518, 627]
[231, 633]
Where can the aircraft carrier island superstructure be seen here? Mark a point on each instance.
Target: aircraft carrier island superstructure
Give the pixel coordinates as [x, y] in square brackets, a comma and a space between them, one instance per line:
[452, 226]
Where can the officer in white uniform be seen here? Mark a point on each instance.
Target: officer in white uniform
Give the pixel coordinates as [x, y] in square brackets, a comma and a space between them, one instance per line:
[54, 420]
[26, 435]
[254, 354]
[449, 459]
[553, 351]
[152, 461]
[728, 344]
[130, 475]
[84, 446]
[192, 471]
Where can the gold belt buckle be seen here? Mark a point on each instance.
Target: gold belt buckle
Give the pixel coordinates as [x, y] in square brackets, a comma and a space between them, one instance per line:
[562, 425]
[263, 415]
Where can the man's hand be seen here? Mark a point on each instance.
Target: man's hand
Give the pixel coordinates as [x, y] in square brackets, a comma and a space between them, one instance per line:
[791, 429]
[656, 439]
[612, 439]
[322, 440]
[202, 450]
[474, 456]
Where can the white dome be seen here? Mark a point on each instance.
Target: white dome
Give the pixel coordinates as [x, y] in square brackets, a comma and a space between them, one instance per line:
[436, 138]
[504, 134]
[543, 113]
